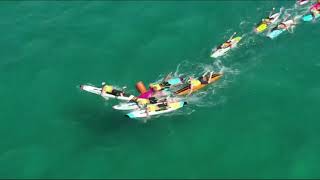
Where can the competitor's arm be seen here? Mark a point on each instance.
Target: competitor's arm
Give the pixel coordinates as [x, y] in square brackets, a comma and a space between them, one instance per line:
[232, 36]
[272, 11]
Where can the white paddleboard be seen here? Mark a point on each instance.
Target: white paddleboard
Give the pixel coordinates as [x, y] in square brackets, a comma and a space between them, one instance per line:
[126, 106]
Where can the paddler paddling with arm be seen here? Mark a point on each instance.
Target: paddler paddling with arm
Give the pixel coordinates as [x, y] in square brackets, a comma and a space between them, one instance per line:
[271, 13]
[228, 43]
[210, 77]
[205, 79]
[284, 26]
[108, 89]
[269, 18]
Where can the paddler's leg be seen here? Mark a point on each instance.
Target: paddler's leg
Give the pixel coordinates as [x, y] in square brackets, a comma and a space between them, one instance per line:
[290, 28]
[115, 92]
[163, 106]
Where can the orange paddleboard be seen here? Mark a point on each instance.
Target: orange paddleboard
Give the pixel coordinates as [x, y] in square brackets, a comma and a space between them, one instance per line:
[187, 89]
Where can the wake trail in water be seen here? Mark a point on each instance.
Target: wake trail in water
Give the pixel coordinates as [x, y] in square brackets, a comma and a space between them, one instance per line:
[249, 58]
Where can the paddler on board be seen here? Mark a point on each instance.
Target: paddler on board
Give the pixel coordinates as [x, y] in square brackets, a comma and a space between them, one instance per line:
[109, 89]
[161, 105]
[228, 43]
[165, 83]
[206, 77]
[203, 80]
[197, 82]
[315, 9]
[284, 26]
[144, 102]
[157, 90]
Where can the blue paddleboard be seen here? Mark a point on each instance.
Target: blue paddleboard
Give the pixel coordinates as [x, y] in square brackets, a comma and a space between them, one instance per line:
[275, 33]
[309, 17]
[175, 81]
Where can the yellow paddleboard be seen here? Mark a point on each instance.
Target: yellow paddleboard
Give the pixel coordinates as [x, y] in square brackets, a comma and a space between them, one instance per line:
[236, 40]
[262, 27]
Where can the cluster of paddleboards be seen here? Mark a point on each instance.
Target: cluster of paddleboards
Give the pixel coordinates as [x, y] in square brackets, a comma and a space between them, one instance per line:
[170, 94]
[273, 25]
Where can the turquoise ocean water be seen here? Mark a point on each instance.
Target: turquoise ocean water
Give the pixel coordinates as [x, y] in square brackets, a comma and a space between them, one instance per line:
[261, 120]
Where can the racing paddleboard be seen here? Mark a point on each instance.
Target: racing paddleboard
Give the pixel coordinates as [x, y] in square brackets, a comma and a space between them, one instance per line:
[275, 33]
[142, 112]
[126, 106]
[263, 26]
[222, 51]
[187, 89]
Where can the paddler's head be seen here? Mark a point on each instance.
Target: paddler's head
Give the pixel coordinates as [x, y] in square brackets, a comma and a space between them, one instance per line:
[267, 20]
[282, 26]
